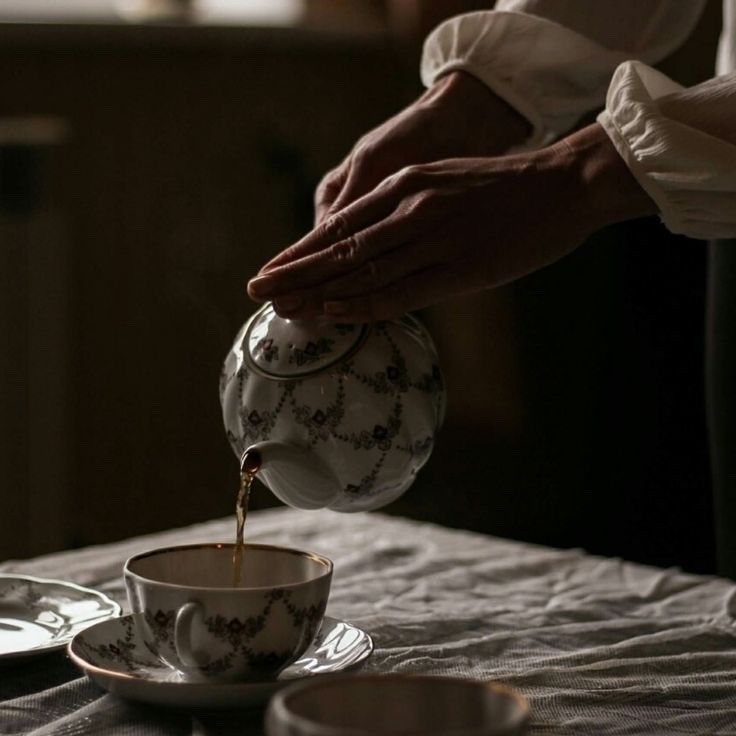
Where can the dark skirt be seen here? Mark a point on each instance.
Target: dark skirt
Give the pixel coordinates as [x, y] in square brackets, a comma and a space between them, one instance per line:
[720, 364]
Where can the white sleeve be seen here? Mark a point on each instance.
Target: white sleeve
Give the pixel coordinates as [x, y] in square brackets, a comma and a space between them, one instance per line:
[552, 60]
[680, 144]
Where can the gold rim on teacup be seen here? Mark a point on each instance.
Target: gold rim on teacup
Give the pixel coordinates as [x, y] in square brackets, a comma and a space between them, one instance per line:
[280, 714]
[327, 563]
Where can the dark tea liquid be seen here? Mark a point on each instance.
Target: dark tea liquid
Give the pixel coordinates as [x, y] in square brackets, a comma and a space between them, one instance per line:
[241, 511]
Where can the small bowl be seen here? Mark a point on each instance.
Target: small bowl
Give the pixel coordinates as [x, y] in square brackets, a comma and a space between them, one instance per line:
[410, 705]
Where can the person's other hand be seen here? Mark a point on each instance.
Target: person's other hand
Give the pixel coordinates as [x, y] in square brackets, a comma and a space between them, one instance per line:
[451, 227]
[458, 116]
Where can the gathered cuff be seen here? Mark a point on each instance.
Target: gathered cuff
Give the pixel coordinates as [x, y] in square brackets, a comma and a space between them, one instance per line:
[546, 72]
[689, 174]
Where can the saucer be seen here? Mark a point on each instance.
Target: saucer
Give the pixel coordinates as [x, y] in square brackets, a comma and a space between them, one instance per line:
[39, 616]
[114, 657]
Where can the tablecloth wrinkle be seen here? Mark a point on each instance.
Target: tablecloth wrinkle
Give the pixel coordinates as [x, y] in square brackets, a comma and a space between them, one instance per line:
[599, 646]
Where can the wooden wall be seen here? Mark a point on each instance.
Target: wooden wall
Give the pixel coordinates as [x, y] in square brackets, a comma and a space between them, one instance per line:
[186, 165]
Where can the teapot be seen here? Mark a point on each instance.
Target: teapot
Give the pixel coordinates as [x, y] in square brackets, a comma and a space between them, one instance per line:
[338, 416]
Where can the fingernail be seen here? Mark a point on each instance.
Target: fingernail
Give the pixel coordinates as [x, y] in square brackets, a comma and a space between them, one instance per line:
[335, 309]
[261, 285]
[288, 303]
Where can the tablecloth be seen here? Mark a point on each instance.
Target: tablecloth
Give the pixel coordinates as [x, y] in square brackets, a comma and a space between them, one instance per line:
[599, 646]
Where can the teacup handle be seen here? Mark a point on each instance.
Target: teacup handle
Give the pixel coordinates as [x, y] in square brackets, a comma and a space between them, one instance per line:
[183, 635]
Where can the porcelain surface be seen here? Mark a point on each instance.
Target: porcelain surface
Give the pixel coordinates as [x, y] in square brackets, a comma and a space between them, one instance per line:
[38, 616]
[196, 621]
[116, 658]
[397, 705]
[344, 416]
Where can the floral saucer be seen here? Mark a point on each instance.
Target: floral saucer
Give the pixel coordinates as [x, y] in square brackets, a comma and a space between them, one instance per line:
[38, 616]
[114, 657]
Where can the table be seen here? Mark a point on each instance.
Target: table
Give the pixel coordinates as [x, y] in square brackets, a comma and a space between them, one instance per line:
[599, 646]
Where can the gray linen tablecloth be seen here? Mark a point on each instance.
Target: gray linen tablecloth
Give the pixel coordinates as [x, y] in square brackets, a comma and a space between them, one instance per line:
[599, 646]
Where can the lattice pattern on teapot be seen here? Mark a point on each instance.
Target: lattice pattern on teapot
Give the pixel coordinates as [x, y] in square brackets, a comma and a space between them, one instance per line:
[365, 413]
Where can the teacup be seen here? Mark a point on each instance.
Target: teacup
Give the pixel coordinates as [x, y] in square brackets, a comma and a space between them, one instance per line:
[195, 621]
[396, 705]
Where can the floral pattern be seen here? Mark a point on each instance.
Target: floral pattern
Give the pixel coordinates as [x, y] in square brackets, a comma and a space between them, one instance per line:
[422, 448]
[321, 423]
[367, 483]
[233, 630]
[311, 352]
[312, 614]
[122, 650]
[380, 436]
[337, 647]
[236, 634]
[256, 425]
[431, 383]
[369, 411]
[225, 379]
[161, 625]
[265, 349]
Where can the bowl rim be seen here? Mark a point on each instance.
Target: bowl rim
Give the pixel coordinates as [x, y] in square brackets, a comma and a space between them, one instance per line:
[128, 573]
[279, 708]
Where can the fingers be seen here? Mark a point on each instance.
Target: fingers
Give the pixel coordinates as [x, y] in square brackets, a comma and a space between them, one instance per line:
[380, 272]
[373, 246]
[374, 275]
[365, 168]
[324, 197]
[328, 190]
[342, 242]
[330, 230]
[339, 226]
[417, 290]
[361, 178]
[297, 287]
[409, 277]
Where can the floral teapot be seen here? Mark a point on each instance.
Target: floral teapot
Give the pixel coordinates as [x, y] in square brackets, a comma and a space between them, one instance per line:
[332, 415]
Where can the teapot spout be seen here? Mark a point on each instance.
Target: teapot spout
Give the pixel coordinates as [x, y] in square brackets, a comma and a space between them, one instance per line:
[294, 475]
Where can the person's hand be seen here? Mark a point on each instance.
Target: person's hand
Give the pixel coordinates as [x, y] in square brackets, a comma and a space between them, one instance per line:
[458, 116]
[452, 227]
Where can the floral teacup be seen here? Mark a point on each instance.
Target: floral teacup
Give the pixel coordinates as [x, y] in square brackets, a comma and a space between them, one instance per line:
[195, 621]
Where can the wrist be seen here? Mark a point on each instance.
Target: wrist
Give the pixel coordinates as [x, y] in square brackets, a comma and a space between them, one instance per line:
[604, 185]
[486, 118]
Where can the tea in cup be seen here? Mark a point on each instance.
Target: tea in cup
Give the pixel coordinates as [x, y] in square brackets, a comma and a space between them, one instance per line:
[197, 622]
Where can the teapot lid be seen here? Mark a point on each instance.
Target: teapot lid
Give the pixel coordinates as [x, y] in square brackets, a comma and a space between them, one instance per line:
[289, 349]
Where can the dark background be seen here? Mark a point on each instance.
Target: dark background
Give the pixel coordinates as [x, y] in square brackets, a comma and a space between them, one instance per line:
[170, 161]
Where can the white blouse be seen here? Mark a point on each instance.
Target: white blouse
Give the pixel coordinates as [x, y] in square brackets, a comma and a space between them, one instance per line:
[555, 60]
